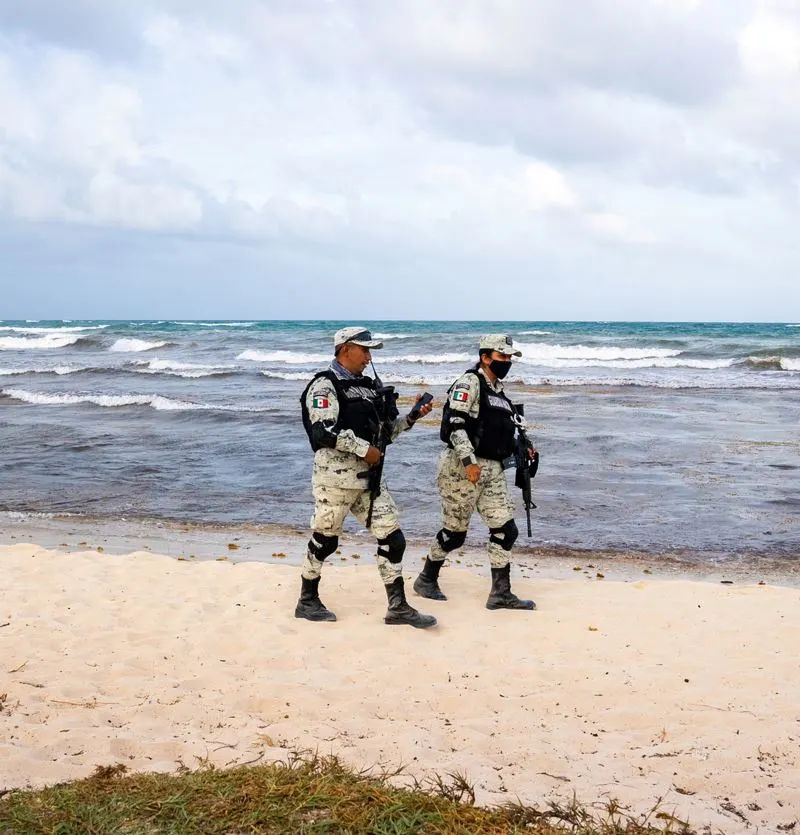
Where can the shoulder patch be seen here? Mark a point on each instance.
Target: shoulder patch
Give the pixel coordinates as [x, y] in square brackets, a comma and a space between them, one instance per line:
[321, 401]
[460, 394]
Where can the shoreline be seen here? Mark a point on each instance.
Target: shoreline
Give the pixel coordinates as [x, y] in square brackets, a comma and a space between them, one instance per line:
[638, 689]
[261, 543]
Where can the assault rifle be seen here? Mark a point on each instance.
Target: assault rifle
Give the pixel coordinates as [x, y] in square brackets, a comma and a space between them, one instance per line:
[387, 397]
[526, 466]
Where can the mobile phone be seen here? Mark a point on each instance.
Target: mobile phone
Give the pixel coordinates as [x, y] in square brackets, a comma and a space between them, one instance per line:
[423, 401]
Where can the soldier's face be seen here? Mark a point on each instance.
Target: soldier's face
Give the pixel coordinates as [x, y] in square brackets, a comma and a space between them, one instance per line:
[488, 359]
[355, 358]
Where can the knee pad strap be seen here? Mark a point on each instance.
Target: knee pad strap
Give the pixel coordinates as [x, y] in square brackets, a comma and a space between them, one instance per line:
[321, 546]
[393, 546]
[450, 540]
[505, 536]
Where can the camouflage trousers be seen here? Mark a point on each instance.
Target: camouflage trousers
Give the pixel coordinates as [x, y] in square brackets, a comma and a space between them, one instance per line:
[331, 506]
[460, 498]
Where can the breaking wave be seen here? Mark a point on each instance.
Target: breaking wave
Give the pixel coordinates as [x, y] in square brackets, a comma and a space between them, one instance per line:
[155, 401]
[288, 357]
[427, 359]
[287, 375]
[20, 329]
[188, 370]
[552, 356]
[129, 346]
[218, 324]
[58, 369]
[48, 341]
[418, 379]
[538, 380]
[649, 362]
[773, 363]
[764, 363]
[388, 377]
[535, 351]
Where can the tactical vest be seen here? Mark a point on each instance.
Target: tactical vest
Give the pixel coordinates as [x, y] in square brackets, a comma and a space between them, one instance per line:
[492, 432]
[359, 407]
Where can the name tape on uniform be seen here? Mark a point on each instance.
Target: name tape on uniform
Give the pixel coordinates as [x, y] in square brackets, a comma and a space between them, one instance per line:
[359, 393]
[499, 403]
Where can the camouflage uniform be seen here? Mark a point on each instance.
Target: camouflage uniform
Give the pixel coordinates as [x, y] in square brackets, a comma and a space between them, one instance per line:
[341, 410]
[479, 424]
[459, 496]
[336, 486]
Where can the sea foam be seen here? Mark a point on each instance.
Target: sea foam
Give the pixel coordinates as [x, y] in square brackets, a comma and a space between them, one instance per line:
[388, 377]
[49, 340]
[648, 362]
[26, 330]
[218, 324]
[287, 375]
[155, 401]
[129, 346]
[538, 352]
[287, 357]
[189, 370]
[427, 359]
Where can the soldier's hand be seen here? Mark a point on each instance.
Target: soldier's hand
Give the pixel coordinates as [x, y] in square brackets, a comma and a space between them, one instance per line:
[373, 455]
[473, 473]
[531, 452]
[426, 409]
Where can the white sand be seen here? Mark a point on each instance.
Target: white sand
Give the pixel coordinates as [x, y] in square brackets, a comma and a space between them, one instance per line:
[680, 690]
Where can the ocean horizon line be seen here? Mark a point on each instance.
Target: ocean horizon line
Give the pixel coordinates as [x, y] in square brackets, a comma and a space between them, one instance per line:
[249, 320]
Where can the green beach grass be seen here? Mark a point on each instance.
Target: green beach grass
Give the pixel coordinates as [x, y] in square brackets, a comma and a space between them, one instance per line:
[309, 794]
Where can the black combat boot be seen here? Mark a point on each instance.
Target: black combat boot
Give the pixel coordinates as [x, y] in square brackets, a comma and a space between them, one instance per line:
[400, 612]
[309, 606]
[501, 596]
[427, 582]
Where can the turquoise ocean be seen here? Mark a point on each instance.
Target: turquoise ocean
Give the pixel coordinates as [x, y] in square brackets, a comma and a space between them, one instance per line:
[659, 438]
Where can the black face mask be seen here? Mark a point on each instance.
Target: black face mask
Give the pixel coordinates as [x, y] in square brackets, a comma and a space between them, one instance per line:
[500, 368]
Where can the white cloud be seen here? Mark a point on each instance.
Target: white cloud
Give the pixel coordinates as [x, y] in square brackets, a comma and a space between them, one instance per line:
[508, 131]
[546, 187]
[611, 225]
[113, 200]
[770, 44]
[180, 41]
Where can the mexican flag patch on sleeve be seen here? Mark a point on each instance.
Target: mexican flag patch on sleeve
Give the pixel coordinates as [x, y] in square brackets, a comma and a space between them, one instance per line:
[320, 401]
[461, 395]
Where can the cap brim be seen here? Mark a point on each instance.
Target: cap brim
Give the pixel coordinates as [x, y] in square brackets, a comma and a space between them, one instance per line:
[365, 343]
[516, 353]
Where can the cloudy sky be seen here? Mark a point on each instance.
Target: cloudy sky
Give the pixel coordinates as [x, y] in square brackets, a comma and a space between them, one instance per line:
[516, 159]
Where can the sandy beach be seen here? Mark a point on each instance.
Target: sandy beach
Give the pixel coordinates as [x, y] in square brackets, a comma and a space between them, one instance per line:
[636, 688]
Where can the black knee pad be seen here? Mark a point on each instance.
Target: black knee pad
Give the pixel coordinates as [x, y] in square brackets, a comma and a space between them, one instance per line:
[506, 536]
[451, 540]
[322, 546]
[393, 546]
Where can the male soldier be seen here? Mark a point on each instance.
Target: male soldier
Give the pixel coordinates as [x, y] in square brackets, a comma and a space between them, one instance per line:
[478, 426]
[341, 414]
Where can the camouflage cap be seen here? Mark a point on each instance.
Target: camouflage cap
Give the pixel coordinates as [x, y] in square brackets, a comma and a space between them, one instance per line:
[499, 342]
[356, 335]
